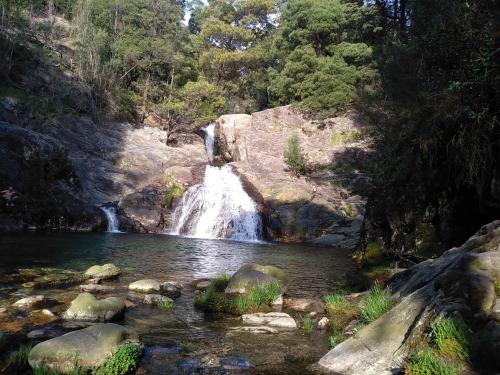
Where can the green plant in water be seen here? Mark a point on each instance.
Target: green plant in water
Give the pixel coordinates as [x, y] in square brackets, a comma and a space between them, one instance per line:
[308, 324]
[165, 305]
[426, 362]
[19, 357]
[335, 338]
[340, 310]
[375, 304]
[124, 361]
[336, 301]
[451, 338]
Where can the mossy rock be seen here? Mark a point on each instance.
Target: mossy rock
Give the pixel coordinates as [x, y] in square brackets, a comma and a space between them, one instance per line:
[87, 307]
[251, 276]
[89, 348]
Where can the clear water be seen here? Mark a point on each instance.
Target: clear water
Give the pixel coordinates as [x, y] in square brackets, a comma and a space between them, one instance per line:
[184, 334]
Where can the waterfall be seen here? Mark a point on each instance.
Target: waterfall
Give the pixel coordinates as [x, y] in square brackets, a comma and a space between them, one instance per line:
[113, 224]
[219, 207]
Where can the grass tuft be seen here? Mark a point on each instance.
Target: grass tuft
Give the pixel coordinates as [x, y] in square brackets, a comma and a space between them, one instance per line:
[451, 338]
[426, 362]
[165, 305]
[308, 324]
[19, 357]
[375, 304]
[336, 337]
[214, 299]
[124, 361]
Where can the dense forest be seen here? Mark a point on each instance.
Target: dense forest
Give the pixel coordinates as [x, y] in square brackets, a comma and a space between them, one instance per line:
[425, 72]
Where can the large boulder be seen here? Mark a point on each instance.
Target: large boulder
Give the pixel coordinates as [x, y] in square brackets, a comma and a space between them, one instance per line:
[255, 275]
[460, 283]
[89, 347]
[106, 271]
[88, 307]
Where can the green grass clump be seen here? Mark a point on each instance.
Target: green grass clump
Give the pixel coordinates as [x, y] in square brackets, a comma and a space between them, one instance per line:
[308, 324]
[336, 337]
[426, 362]
[214, 299]
[340, 310]
[124, 361]
[77, 370]
[451, 338]
[375, 304]
[345, 137]
[19, 358]
[165, 305]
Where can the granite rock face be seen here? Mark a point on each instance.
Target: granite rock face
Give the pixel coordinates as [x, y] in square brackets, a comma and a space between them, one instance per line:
[327, 205]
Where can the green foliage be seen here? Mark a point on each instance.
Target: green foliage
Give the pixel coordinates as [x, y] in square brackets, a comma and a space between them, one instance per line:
[19, 357]
[340, 310]
[294, 156]
[375, 304]
[335, 338]
[175, 191]
[124, 361]
[451, 338]
[308, 324]
[324, 64]
[426, 362]
[214, 299]
[165, 305]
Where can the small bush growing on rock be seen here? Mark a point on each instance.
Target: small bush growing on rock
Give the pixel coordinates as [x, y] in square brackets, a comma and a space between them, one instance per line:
[124, 361]
[375, 304]
[165, 305]
[451, 338]
[294, 156]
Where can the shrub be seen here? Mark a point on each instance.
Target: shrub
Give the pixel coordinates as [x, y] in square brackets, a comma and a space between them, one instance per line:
[451, 338]
[308, 324]
[426, 362]
[294, 157]
[165, 305]
[375, 304]
[122, 362]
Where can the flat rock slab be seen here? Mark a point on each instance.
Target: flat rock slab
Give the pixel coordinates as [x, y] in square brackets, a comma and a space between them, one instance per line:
[253, 329]
[106, 271]
[90, 346]
[29, 302]
[272, 319]
[88, 307]
[145, 286]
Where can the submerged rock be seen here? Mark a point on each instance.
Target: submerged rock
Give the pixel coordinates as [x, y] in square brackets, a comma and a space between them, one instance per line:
[87, 307]
[254, 329]
[201, 284]
[30, 302]
[152, 299]
[96, 288]
[145, 286]
[304, 304]
[272, 319]
[106, 271]
[254, 275]
[89, 346]
[172, 289]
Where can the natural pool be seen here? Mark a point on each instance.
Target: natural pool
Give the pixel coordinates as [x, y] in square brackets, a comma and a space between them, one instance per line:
[183, 340]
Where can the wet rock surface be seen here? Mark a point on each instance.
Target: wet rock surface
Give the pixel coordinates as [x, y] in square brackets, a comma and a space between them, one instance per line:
[91, 346]
[272, 319]
[254, 275]
[88, 307]
[106, 271]
[145, 286]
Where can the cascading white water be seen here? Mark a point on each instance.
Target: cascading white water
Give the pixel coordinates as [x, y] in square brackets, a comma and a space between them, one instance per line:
[113, 223]
[219, 207]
